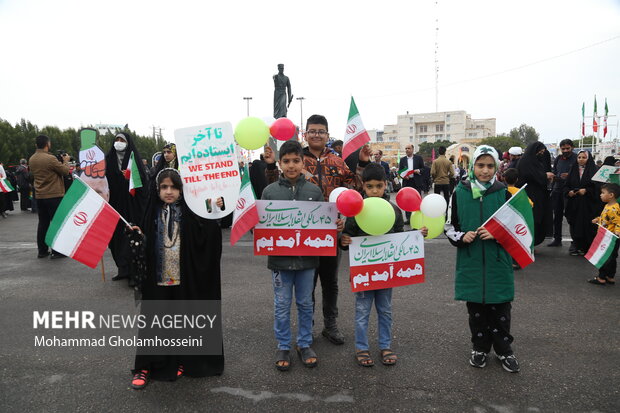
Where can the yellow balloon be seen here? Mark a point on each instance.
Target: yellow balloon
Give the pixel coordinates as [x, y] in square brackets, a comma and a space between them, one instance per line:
[377, 216]
[251, 133]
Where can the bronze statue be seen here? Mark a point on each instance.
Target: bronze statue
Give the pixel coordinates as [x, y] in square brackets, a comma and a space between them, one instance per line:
[280, 95]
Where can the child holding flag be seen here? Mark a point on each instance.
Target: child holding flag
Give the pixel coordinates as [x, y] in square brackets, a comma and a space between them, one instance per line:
[374, 184]
[484, 274]
[610, 220]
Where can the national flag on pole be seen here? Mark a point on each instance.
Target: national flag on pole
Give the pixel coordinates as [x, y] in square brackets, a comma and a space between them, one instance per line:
[605, 120]
[245, 215]
[405, 172]
[595, 123]
[5, 185]
[583, 119]
[433, 154]
[513, 227]
[601, 247]
[355, 134]
[133, 175]
[82, 225]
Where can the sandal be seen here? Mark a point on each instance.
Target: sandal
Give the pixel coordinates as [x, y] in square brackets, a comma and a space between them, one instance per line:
[283, 356]
[180, 371]
[305, 354]
[363, 358]
[596, 281]
[388, 357]
[610, 281]
[140, 379]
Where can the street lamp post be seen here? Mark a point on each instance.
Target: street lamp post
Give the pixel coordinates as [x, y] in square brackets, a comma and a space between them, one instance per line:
[301, 109]
[247, 99]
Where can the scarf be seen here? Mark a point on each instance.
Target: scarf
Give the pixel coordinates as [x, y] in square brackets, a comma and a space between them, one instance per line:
[479, 188]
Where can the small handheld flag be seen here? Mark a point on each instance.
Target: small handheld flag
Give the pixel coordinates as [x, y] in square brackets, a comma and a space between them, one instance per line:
[355, 134]
[132, 173]
[602, 247]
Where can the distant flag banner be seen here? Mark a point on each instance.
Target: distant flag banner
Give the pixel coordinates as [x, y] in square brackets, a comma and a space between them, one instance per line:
[594, 123]
[513, 227]
[5, 185]
[133, 175]
[583, 119]
[433, 154]
[245, 214]
[605, 120]
[355, 134]
[405, 172]
[82, 225]
[602, 247]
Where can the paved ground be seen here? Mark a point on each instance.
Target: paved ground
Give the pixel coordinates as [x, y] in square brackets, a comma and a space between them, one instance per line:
[566, 332]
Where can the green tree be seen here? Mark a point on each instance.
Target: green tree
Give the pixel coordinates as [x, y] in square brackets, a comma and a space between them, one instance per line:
[426, 148]
[526, 134]
[502, 143]
[586, 141]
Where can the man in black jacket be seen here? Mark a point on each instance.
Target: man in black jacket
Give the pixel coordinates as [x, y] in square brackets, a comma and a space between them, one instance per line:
[413, 167]
[561, 166]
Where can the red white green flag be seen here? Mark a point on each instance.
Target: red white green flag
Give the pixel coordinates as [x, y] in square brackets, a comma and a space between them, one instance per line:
[595, 123]
[405, 172]
[583, 119]
[133, 175]
[601, 247]
[245, 215]
[82, 225]
[5, 185]
[513, 227]
[605, 120]
[355, 134]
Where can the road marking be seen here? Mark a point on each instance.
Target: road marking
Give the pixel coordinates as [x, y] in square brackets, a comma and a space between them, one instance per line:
[257, 396]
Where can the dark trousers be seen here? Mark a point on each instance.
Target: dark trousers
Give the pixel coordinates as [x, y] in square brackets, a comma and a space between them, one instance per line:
[46, 209]
[121, 252]
[328, 273]
[608, 270]
[557, 204]
[24, 198]
[490, 327]
[445, 189]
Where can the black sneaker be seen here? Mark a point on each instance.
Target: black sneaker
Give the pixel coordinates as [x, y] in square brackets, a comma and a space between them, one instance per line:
[510, 363]
[333, 334]
[478, 359]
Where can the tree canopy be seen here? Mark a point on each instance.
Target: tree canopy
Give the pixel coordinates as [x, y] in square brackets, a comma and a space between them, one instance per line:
[426, 148]
[502, 142]
[526, 134]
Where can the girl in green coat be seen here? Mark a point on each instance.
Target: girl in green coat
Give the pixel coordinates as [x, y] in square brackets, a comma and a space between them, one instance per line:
[484, 274]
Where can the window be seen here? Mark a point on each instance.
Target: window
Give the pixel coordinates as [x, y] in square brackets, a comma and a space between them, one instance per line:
[423, 138]
[438, 128]
[379, 138]
[411, 139]
[410, 129]
[448, 126]
[411, 121]
[447, 116]
[448, 136]
[438, 137]
[423, 128]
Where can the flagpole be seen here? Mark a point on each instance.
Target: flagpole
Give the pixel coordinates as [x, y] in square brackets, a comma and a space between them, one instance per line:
[102, 270]
[495, 213]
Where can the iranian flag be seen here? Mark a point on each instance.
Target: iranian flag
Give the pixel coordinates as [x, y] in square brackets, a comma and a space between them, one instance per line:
[513, 227]
[602, 247]
[605, 120]
[583, 119]
[245, 215]
[82, 225]
[355, 135]
[133, 175]
[595, 123]
[405, 172]
[5, 185]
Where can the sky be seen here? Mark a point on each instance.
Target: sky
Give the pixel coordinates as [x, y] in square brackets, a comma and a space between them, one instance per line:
[175, 64]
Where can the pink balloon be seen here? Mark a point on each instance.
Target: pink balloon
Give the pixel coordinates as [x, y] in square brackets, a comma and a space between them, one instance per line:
[350, 203]
[283, 129]
[408, 199]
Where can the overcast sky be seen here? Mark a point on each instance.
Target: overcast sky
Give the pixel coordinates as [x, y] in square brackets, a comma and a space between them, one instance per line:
[180, 63]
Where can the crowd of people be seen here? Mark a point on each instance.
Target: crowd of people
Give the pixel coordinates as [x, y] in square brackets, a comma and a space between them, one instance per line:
[181, 258]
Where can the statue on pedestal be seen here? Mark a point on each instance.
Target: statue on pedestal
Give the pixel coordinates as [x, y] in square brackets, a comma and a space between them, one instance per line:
[282, 95]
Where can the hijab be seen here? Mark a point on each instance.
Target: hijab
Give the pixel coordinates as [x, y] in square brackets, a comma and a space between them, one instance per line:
[533, 167]
[479, 188]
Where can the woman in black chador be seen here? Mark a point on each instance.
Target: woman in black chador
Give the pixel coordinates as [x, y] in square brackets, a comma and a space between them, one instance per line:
[535, 170]
[582, 202]
[183, 254]
[131, 207]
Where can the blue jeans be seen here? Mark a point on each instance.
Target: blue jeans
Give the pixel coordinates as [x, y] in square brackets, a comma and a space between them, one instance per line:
[363, 306]
[283, 282]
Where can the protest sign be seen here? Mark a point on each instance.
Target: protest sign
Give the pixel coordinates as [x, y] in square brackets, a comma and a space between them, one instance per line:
[92, 163]
[295, 228]
[604, 172]
[386, 261]
[209, 168]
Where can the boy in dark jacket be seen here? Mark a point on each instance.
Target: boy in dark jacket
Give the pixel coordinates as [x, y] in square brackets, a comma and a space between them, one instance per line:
[374, 184]
[297, 271]
[484, 274]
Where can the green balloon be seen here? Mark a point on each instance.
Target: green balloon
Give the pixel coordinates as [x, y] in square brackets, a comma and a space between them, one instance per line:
[434, 225]
[417, 220]
[251, 133]
[377, 216]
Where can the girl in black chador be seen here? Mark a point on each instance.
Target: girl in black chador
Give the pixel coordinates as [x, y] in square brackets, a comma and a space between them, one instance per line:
[183, 254]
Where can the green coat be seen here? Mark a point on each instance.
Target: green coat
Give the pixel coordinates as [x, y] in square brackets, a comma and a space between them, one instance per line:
[484, 271]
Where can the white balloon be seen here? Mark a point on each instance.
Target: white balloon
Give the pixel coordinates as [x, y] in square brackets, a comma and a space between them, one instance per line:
[333, 196]
[433, 205]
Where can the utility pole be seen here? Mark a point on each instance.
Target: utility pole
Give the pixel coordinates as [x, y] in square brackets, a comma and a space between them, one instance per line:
[247, 99]
[301, 109]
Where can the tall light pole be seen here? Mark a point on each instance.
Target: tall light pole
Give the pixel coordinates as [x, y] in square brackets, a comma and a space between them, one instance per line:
[247, 99]
[301, 109]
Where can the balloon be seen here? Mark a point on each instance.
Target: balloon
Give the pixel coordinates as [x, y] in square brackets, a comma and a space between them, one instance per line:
[349, 202]
[408, 199]
[377, 216]
[251, 133]
[283, 129]
[434, 225]
[433, 206]
[333, 196]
